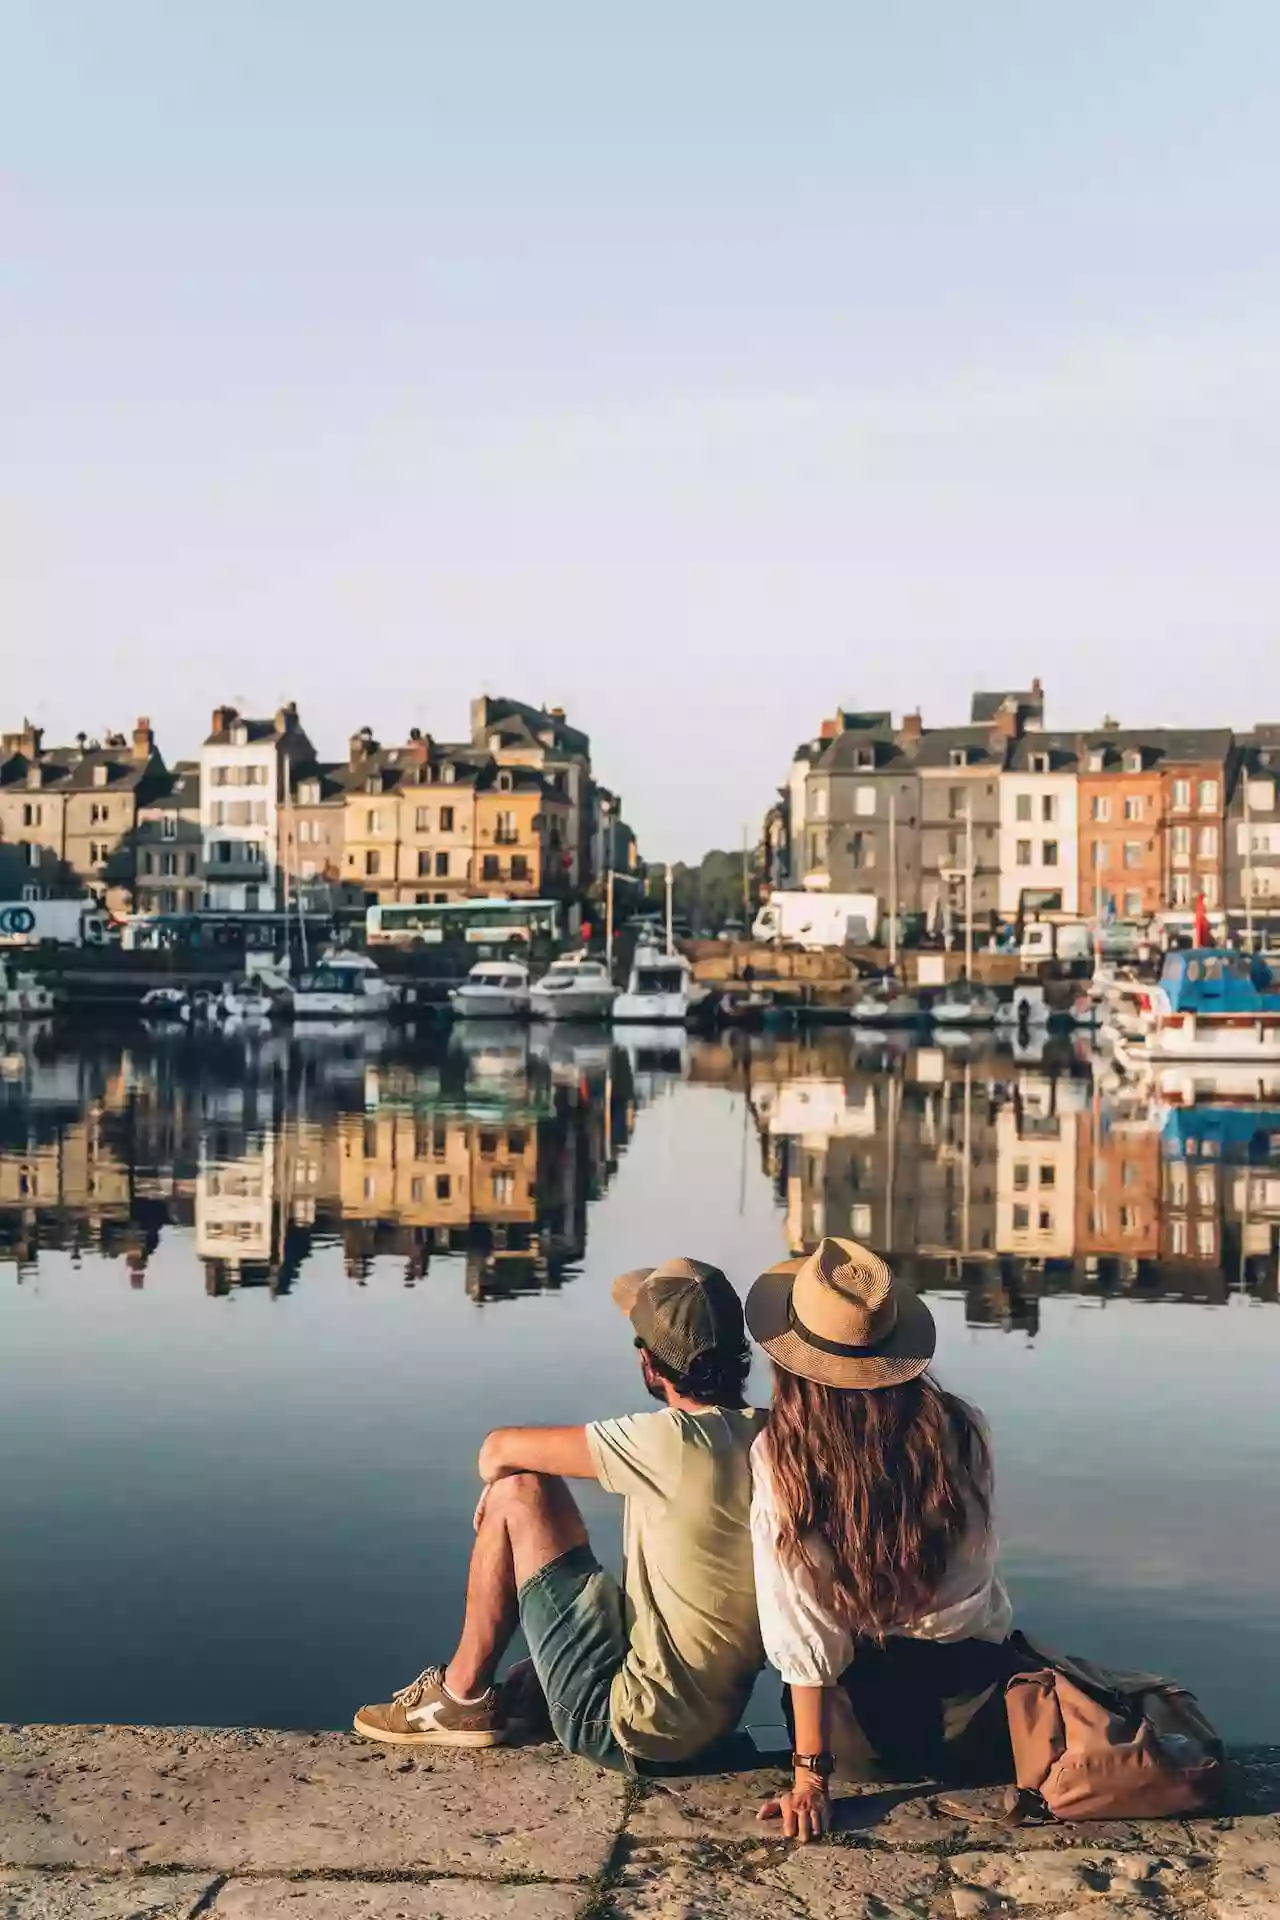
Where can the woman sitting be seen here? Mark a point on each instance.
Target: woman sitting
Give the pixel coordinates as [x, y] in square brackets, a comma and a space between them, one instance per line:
[875, 1552]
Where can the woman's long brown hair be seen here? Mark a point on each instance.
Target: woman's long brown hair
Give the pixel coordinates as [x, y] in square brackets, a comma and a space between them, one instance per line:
[890, 1479]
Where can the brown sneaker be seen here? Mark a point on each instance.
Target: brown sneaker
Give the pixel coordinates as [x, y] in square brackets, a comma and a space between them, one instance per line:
[424, 1715]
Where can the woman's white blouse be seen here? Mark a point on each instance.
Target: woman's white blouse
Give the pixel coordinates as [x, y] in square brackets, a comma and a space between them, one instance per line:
[810, 1645]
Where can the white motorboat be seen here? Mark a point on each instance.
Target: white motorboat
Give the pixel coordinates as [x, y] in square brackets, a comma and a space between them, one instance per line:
[493, 990]
[166, 1006]
[1212, 1008]
[886, 1004]
[344, 985]
[658, 989]
[23, 995]
[577, 988]
[965, 1004]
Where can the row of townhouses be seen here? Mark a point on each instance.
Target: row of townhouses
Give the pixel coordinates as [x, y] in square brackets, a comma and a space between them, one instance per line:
[260, 820]
[1116, 822]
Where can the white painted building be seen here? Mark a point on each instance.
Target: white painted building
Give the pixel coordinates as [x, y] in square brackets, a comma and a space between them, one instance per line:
[1039, 827]
[247, 771]
[1036, 1149]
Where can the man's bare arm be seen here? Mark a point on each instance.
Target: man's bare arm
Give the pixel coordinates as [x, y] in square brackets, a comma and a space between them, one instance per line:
[561, 1450]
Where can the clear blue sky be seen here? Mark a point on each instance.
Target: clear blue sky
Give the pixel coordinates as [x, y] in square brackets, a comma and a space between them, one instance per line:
[697, 367]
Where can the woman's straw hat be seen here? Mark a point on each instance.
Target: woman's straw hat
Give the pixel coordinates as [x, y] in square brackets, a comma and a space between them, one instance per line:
[839, 1317]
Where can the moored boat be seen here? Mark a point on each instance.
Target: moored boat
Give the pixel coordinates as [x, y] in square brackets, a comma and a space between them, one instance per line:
[1213, 1006]
[887, 1004]
[658, 989]
[343, 985]
[23, 995]
[965, 1004]
[576, 988]
[493, 990]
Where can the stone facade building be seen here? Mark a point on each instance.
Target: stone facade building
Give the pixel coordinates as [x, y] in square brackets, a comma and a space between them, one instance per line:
[169, 845]
[68, 814]
[862, 813]
[1252, 828]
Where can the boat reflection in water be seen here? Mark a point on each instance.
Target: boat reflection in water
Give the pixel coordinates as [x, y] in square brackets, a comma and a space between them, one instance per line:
[1005, 1171]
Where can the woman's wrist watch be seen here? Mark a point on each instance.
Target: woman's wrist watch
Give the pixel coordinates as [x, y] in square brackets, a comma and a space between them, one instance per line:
[823, 1764]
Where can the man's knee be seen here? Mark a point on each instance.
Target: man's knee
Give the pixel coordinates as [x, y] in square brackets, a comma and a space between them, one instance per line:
[517, 1494]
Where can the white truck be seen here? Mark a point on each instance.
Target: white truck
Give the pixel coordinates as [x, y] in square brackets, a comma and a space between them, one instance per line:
[64, 923]
[812, 919]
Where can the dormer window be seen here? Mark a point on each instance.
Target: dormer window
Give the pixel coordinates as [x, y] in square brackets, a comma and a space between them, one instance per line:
[959, 756]
[495, 743]
[374, 783]
[505, 782]
[1097, 760]
[864, 758]
[1133, 761]
[240, 734]
[101, 775]
[1039, 763]
[448, 773]
[309, 793]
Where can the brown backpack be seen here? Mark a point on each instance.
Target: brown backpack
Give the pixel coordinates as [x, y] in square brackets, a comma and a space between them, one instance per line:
[1093, 1745]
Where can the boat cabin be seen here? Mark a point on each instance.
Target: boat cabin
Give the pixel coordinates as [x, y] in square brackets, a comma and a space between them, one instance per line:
[1211, 980]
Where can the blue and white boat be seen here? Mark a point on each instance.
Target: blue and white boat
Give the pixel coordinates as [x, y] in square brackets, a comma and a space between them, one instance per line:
[1215, 1006]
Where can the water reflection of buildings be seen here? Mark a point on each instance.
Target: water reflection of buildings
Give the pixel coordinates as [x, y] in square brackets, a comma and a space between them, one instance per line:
[263, 1158]
[1015, 1183]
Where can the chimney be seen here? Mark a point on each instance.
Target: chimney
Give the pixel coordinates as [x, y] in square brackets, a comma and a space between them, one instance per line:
[222, 719]
[419, 747]
[1037, 689]
[911, 731]
[830, 728]
[287, 719]
[555, 713]
[361, 746]
[1005, 724]
[32, 736]
[144, 741]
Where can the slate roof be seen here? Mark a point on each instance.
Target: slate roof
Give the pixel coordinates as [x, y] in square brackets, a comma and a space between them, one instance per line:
[984, 707]
[841, 753]
[530, 723]
[71, 770]
[936, 744]
[257, 730]
[1159, 746]
[1063, 750]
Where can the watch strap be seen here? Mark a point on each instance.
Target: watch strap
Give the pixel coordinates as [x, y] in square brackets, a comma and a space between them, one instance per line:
[823, 1764]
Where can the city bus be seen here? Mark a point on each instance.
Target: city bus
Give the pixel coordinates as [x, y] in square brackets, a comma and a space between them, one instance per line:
[491, 925]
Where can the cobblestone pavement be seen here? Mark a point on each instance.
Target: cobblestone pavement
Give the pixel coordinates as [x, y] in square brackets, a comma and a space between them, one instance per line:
[144, 1823]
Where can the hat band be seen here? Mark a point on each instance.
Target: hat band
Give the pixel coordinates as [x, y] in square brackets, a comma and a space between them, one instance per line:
[838, 1347]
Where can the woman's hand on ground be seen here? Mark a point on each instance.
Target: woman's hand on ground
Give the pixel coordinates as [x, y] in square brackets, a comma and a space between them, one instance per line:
[805, 1811]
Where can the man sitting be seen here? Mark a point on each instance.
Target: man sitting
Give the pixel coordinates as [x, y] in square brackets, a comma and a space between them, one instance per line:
[654, 1671]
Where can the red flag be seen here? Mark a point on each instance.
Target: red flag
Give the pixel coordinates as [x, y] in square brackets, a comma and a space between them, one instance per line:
[1204, 937]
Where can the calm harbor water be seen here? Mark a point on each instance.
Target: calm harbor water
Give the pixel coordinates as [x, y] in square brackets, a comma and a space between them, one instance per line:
[259, 1303]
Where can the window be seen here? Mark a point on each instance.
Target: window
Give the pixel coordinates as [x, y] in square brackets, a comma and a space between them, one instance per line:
[1208, 796]
[145, 866]
[1022, 808]
[373, 820]
[862, 850]
[444, 1185]
[169, 826]
[1182, 890]
[1097, 760]
[1045, 1220]
[505, 782]
[309, 793]
[373, 862]
[1178, 1237]
[221, 776]
[959, 757]
[424, 865]
[504, 1186]
[32, 816]
[955, 803]
[417, 1188]
[489, 867]
[1260, 795]
[448, 773]
[1021, 1176]
[1048, 808]
[860, 1220]
[864, 801]
[1021, 1219]
[31, 853]
[240, 735]
[101, 775]
[1133, 760]
[442, 866]
[99, 813]
[1180, 841]
[1039, 763]
[519, 866]
[1132, 906]
[1207, 843]
[820, 803]
[1126, 1220]
[505, 833]
[446, 819]
[1100, 807]
[1133, 853]
[1134, 806]
[1024, 853]
[1206, 1239]
[1099, 854]
[1049, 853]
[422, 820]
[864, 757]
[1209, 888]
[1182, 795]
[1048, 1174]
[169, 863]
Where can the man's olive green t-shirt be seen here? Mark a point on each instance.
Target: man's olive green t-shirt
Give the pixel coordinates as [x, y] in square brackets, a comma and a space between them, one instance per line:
[687, 1576]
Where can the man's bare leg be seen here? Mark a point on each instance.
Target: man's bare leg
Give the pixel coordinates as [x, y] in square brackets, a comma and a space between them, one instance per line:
[529, 1520]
